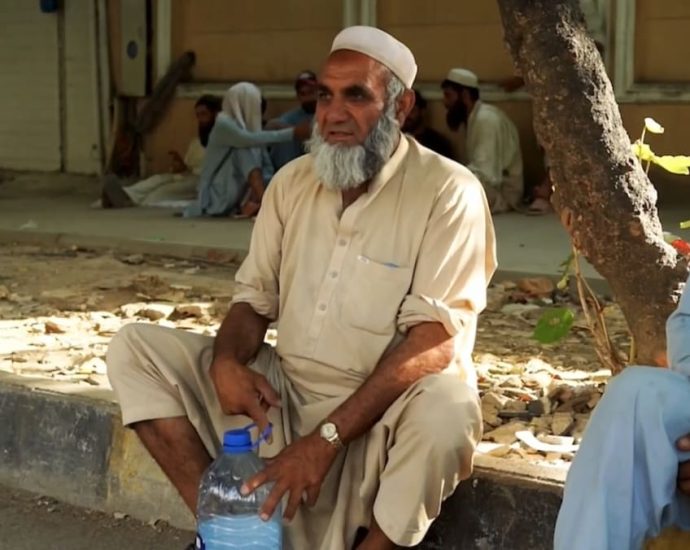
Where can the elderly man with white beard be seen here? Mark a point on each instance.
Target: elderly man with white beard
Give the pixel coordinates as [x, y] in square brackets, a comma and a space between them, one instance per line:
[373, 255]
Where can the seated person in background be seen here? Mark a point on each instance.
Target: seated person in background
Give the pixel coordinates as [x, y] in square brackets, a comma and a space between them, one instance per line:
[415, 125]
[236, 159]
[492, 143]
[305, 88]
[631, 476]
[180, 183]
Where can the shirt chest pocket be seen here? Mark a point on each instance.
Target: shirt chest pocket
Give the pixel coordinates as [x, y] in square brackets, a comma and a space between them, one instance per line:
[374, 294]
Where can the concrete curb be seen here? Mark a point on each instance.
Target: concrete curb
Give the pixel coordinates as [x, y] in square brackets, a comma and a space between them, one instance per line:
[75, 449]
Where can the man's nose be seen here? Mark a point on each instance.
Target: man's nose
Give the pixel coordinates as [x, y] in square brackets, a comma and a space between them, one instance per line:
[336, 112]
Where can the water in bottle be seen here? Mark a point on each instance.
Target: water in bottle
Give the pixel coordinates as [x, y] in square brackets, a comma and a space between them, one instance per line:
[226, 519]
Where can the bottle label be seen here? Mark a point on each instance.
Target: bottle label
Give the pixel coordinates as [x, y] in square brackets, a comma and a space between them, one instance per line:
[199, 543]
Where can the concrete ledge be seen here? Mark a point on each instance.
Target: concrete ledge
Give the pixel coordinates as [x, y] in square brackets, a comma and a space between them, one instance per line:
[125, 245]
[75, 449]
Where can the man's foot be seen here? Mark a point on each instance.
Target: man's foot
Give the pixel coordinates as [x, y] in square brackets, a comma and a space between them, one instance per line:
[250, 209]
[539, 207]
[114, 196]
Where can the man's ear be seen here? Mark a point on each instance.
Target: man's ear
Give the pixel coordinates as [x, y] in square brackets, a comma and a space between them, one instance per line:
[405, 105]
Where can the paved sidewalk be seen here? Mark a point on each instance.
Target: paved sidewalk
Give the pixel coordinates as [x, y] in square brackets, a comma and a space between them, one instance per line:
[55, 208]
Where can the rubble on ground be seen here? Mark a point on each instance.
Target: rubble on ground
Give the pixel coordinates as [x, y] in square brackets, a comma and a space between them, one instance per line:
[536, 399]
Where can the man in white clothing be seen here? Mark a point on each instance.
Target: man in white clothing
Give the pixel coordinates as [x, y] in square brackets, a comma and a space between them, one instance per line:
[177, 186]
[492, 147]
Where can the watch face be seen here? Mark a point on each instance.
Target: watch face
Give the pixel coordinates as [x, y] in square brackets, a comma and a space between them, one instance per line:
[328, 430]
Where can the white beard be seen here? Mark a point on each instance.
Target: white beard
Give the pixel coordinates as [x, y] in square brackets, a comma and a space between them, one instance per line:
[342, 167]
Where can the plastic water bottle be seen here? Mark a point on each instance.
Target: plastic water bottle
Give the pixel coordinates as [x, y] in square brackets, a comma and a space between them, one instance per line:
[226, 519]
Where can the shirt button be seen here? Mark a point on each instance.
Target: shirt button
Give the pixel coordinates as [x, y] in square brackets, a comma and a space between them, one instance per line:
[342, 242]
[322, 307]
[334, 274]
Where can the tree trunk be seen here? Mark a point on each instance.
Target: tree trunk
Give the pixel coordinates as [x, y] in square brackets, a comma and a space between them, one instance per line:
[603, 197]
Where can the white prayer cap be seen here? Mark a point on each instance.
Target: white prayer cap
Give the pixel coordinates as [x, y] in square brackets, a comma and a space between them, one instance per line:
[382, 47]
[463, 77]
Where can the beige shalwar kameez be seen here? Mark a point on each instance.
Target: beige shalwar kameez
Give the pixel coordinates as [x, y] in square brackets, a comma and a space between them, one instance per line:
[345, 285]
[164, 189]
[494, 156]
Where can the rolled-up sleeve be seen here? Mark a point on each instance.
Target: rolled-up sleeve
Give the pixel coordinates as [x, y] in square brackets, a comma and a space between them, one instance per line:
[678, 334]
[257, 279]
[456, 260]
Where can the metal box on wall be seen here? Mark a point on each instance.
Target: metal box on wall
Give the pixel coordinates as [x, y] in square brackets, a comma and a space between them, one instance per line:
[135, 59]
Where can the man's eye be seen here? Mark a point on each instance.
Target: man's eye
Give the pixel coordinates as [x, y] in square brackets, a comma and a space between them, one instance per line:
[323, 96]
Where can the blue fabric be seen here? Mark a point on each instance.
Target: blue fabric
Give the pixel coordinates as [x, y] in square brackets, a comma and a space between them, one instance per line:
[621, 488]
[282, 153]
[231, 154]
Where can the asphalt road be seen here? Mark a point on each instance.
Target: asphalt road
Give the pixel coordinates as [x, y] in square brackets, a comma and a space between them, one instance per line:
[32, 522]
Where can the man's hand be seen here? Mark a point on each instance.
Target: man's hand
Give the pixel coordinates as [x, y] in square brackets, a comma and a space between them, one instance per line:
[177, 165]
[302, 132]
[299, 470]
[240, 390]
[683, 444]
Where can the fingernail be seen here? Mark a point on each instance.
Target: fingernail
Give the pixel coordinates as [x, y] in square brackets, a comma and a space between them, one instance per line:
[244, 490]
[264, 517]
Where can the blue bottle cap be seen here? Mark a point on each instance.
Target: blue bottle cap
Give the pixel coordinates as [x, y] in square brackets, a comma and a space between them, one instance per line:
[237, 441]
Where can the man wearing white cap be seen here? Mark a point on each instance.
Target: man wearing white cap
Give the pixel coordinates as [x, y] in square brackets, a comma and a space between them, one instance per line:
[492, 146]
[373, 254]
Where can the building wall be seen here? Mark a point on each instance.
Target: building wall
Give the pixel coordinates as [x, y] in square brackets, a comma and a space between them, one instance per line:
[30, 90]
[49, 100]
[269, 41]
[662, 47]
[257, 40]
[449, 33]
[81, 153]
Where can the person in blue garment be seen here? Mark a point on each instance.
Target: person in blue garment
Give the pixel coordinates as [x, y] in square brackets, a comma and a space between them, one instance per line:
[631, 477]
[305, 89]
[237, 167]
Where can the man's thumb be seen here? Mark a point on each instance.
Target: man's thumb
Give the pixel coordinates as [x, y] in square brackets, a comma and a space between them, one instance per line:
[683, 443]
[267, 392]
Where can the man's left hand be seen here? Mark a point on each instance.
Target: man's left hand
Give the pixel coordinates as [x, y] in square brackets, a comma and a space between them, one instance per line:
[683, 444]
[298, 470]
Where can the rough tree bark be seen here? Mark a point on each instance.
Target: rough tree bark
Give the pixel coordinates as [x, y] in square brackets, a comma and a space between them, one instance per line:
[603, 197]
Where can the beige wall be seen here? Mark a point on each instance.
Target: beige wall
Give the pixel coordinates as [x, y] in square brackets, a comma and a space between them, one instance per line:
[269, 41]
[662, 41]
[449, 33]
[258, 40]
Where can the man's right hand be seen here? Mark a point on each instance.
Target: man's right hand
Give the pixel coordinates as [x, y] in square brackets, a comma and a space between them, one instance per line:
[240, 390]
[683, 444]
[302, 132]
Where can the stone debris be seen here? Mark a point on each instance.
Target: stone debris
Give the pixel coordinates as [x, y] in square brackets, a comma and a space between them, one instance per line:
[154, 312]
[53, 327]
[530, 393]
[537, 286]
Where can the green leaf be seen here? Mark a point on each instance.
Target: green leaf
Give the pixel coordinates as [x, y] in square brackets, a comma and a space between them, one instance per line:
[653, 126]
[553, 325]
[685, 224]
[679, 164]
[566, 268]
[642, 151]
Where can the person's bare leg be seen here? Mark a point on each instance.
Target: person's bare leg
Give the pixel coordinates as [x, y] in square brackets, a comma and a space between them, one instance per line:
[376, 539]
[177, 448]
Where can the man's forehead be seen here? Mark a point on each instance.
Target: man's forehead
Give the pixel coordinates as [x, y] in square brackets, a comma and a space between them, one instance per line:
[350, 67]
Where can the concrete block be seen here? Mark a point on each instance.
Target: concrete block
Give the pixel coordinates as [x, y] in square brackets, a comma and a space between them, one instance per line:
[75, 449]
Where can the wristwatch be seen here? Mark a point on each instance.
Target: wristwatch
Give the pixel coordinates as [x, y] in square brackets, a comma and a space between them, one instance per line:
[329, 432]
